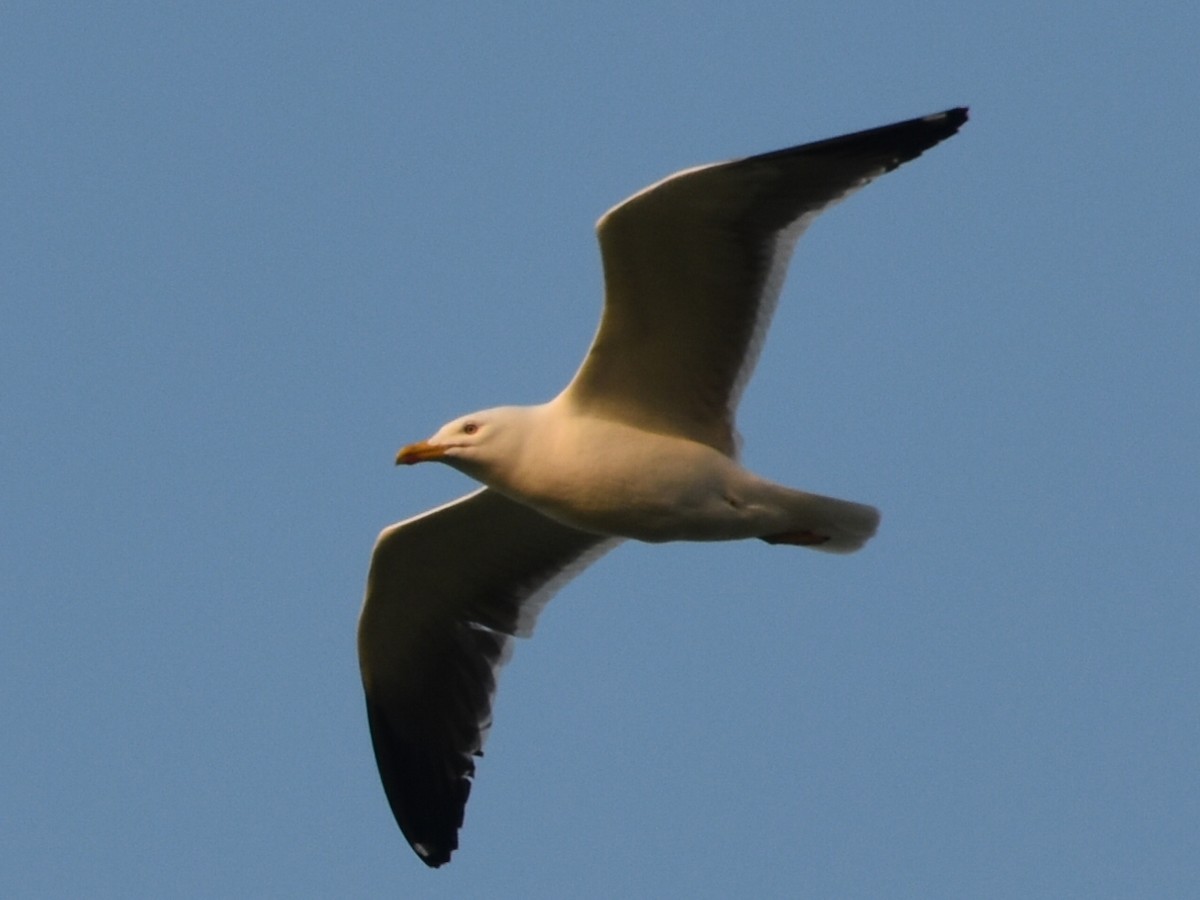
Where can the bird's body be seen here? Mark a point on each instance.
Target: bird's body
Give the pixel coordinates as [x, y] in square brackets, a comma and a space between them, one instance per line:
[640, 445]
[645, 485]
[624, 492]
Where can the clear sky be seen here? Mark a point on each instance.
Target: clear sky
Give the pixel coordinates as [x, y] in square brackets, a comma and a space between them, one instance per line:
[248, 250]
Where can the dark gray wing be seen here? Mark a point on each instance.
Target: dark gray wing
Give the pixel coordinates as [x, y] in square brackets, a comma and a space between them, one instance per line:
[446, 593]
[693, 266]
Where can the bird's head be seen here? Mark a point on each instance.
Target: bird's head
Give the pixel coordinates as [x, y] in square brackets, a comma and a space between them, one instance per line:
[472, 443]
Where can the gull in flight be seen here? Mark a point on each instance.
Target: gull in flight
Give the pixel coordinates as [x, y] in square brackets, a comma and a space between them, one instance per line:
[641, 444]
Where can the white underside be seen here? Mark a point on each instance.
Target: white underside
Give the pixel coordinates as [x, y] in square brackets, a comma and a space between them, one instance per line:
[617, 480]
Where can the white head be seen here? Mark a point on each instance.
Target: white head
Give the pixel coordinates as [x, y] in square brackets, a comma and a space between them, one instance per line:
[474, 444]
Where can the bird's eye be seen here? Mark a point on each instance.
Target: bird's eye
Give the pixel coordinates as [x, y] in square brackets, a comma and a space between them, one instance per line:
[470, 428]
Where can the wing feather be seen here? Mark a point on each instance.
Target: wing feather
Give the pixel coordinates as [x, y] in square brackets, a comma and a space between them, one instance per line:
[693, 266]
[446, 593]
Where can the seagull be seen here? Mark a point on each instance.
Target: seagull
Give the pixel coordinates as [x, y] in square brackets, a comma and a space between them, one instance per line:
[640, 445]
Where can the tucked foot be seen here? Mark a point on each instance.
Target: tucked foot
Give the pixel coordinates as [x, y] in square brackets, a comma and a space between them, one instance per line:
[797, 538]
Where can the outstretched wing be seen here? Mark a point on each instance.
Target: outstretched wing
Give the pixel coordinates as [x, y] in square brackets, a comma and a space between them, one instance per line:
[446, 593]
[693, 266]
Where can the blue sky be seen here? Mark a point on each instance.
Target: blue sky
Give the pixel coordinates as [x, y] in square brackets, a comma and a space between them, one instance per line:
[249, 250]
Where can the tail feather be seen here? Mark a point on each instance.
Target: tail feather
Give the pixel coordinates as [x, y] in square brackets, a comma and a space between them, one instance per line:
[827, 524]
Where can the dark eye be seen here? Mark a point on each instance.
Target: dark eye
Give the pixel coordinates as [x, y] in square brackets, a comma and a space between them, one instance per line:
[470, 428]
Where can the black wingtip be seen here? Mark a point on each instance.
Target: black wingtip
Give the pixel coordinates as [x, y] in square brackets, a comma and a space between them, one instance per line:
[955, 118]
[902, 141]
[913, 135]
[932, 129]
[892, 145]
[427, 792]
[434, 857]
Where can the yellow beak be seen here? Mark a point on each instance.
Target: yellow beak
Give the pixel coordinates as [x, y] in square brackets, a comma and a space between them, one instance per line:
[422, 451]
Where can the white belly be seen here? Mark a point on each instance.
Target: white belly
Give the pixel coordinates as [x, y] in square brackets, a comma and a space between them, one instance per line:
[613, 479]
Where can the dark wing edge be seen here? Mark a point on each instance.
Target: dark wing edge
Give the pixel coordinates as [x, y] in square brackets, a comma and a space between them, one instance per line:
[894, 144]
[446, 593]
[831, 177]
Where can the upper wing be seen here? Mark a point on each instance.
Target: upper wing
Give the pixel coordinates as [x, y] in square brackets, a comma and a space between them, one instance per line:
[693, 266]
[446, 592]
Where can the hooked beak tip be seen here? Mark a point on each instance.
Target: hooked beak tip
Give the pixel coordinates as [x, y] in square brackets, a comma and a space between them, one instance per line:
[419, 452]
